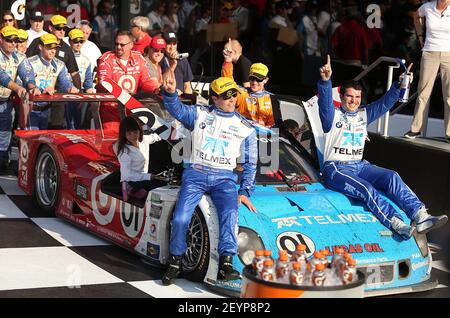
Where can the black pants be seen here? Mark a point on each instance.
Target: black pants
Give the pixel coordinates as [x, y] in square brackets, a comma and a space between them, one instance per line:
[146, 184]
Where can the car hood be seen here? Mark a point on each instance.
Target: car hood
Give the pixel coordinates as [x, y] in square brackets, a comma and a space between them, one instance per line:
[321, 218]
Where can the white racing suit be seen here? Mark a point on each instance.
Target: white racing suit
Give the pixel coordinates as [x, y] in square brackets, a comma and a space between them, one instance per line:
[220, 140]
[344, 169]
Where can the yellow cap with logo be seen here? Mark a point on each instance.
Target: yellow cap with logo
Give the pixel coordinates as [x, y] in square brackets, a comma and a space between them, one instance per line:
[58, 20]
[76, 34]
[224, 87]
[259, 70]
[49, 40]
[9, 32]
[22, 34]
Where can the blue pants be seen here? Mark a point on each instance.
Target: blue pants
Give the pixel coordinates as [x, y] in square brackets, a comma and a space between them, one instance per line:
[38, 120]
[361, 180]
[73, 115]
[222, 189]
[5, 128]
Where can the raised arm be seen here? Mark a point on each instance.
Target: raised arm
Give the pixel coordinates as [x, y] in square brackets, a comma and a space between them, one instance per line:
[326, 107]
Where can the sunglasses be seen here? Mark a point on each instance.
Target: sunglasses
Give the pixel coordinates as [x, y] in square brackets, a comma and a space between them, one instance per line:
[121, 44]
[8, 20]
[78, 42]
[11, 40]
[252, 78]
[57, 28]
[21, 40]
[234, 95]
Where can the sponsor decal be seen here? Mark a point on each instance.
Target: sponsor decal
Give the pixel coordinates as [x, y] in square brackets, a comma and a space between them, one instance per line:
[153, 250]
[84, 96]
[233, 128]
[338, 124]
[73, 138]
[345, 151]
[418, 265]
[202, 125]
[214, 159]
[324, 219]
[132, 218]
[289, 240]
[353, 139]
[103, 206]
[81, 191]
[357, 248]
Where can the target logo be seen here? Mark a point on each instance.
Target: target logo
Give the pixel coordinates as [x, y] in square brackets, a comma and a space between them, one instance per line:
[128, 83]
[289, 240]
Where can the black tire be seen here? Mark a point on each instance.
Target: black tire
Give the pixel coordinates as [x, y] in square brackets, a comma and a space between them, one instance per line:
[47, 180]
[196, 259]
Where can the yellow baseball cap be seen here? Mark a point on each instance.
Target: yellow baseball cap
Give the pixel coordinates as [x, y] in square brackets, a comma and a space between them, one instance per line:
[259, 70]
[58, 20]
[50, 40]
[9, 32]
[76, 34]
[224, 87]
[22, 34]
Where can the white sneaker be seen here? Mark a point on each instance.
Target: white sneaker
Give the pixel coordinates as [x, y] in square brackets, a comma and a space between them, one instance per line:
[401, 228]
[426, 222]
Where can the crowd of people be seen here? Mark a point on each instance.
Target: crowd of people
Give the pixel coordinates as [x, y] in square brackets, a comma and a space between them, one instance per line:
[274, 38]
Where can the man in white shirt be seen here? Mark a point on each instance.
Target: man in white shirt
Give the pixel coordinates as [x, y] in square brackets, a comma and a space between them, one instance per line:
[37, 26]
[89, 49]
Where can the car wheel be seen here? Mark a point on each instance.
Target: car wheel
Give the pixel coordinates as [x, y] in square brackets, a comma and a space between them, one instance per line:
[46, 180]
[196, 258]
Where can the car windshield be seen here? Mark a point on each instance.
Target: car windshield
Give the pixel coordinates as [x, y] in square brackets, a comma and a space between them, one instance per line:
[288, 166]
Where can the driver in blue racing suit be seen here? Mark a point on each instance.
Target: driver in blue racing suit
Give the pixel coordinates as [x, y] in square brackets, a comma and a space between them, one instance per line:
[221, 138]
[344, 169]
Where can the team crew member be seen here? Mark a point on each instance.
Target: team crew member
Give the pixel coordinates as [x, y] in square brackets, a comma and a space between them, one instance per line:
[219, 136]
[22, 38]
[344, 169]
[9, 63]
[129, 70]
[74, 110]
[253, 102]
[57, 27]
[43, 72]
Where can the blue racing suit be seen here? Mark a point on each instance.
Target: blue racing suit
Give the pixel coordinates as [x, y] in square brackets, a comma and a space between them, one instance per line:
[219, 141]
[344, 169]
[8, 65]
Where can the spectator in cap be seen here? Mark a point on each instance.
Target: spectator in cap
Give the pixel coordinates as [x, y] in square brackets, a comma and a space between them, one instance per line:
[8, 19]
[57, 27]
[75, 110]
[210, 169]
[183, 71]
[139, 26]
[45, 72]
[254, 102]
[241, 63]
[170, 19]
[36, 26]
[155, 55]
[9, 63]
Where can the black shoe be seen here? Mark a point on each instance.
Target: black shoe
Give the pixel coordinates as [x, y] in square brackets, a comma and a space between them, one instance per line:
[226, 270]
[173, 271]
[412, 135]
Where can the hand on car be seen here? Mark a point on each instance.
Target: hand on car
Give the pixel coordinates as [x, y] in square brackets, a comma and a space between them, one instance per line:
[49, 90]
[246, 201]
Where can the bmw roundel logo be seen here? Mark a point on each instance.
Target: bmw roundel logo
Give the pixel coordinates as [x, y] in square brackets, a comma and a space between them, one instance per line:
[338, 124]
[202, 125]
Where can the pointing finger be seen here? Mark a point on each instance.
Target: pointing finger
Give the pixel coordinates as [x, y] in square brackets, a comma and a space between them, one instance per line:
[328, 59]
[409, 68]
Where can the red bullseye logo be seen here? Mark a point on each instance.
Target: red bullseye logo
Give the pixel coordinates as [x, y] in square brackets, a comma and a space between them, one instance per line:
[103, 206]
[128, 83]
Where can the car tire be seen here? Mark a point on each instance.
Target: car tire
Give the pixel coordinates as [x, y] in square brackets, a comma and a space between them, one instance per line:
[196, 259]
[46, 180]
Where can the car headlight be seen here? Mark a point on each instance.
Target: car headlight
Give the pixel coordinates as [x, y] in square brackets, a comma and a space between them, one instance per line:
[248, 242]
[422, 243]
